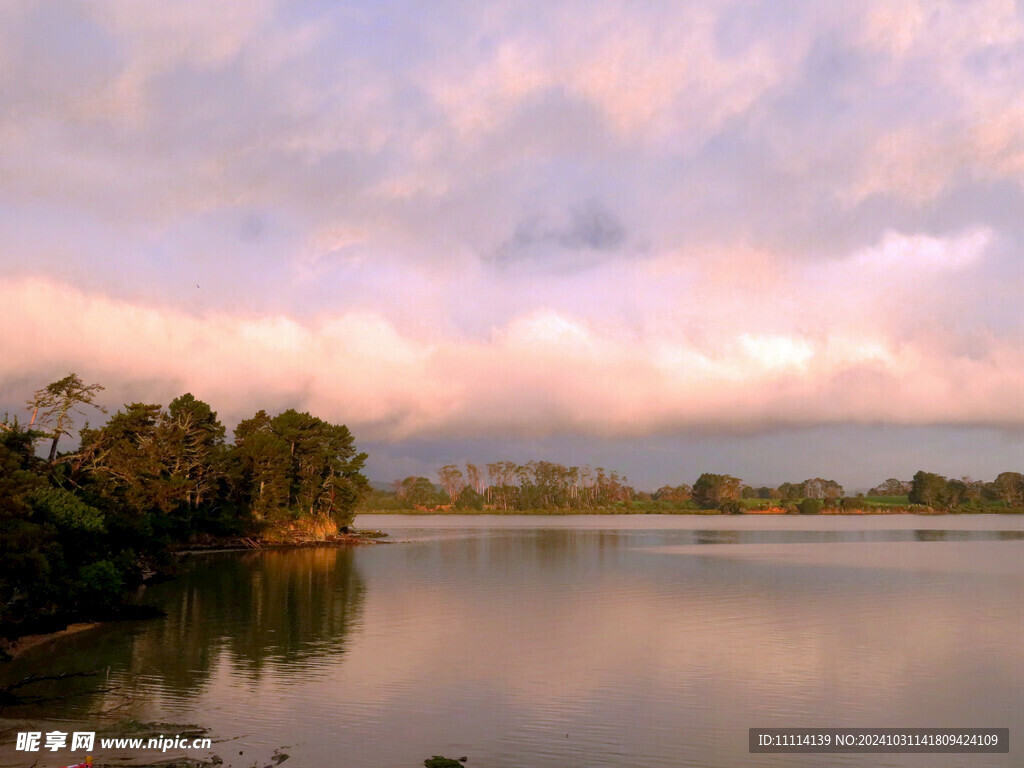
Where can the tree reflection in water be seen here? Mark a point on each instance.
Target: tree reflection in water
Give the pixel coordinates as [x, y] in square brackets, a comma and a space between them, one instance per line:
[247, 613]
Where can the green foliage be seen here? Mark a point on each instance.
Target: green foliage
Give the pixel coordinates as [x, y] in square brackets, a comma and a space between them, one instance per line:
[1009, 488]
[419, 492]
[536, 485]
[819, 488]
[548, 485]
[127, 463]
[295, 465]
[20, 473]
[711, 490]
[264, 460]
[172, 475]
[929, 490]
[383, 501]
[23, 566]
[810, 506]
[66, 511]
[469, 499]
[812, 488]
[99, 584]
[678, 493]
[791, 491]
[731, 507]
[50, 537]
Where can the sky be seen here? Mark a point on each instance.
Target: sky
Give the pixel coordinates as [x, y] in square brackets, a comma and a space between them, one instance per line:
[775, 239]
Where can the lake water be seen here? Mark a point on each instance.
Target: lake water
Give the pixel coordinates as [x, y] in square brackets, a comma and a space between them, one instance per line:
[573, 641]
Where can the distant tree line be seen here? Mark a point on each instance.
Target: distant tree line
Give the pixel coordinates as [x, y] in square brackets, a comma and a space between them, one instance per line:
[541, 485]
[77, 527]
[507, 486]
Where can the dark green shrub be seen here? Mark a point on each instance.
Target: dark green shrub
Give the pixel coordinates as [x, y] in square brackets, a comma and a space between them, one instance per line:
[810, 507]
[730, 508]
[469, 499]
[98, 584]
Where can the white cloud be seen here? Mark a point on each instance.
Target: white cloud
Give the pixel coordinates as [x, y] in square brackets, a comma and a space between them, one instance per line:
[909, 257]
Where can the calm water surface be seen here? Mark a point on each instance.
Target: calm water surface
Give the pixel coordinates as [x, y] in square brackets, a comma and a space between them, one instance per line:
[573, 641]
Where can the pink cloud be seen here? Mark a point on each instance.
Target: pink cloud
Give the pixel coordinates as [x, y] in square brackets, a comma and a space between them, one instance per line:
[544, 371]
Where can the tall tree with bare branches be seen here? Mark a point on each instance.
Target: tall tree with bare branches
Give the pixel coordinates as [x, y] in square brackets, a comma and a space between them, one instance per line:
[451, 480]
[58, 402]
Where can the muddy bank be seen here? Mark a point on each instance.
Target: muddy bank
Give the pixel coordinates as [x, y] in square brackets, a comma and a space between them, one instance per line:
[354, 538]
[16, 639]
[14, 648]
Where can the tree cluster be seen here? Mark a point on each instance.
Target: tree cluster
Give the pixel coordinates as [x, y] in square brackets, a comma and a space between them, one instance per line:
[939, 492]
